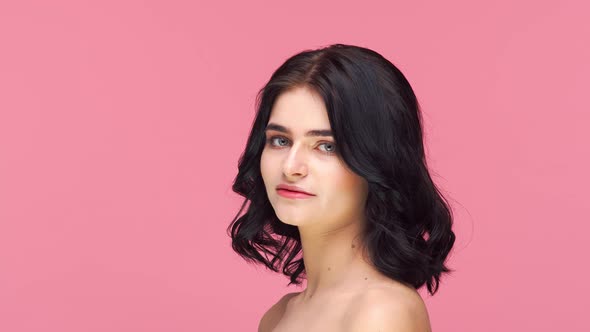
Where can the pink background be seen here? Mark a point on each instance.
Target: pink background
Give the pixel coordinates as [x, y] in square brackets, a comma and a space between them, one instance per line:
[121, 124]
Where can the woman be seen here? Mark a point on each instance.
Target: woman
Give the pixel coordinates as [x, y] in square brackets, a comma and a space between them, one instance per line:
[340, 195]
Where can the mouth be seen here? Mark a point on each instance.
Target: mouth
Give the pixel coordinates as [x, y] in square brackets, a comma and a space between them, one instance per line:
[292, 193]
[286, 187]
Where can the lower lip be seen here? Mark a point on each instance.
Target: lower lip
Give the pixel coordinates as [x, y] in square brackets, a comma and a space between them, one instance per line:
[292, 194]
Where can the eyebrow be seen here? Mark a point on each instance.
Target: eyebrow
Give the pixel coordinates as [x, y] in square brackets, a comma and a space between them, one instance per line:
[311, 133]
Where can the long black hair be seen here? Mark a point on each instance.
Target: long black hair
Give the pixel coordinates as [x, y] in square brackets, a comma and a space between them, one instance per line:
[376, 121]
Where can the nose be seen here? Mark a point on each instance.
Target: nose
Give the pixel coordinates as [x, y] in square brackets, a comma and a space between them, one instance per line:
[295, 164]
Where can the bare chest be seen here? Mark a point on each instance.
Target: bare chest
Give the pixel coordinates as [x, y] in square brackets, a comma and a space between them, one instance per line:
[325, 317]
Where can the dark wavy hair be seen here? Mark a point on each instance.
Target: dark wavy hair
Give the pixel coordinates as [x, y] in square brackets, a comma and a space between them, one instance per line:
[377, 125]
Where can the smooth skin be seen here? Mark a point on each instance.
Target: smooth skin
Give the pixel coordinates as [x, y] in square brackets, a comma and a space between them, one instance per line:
[344, 292]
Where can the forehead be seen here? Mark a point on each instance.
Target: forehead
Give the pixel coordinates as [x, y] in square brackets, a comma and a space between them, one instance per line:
[300, 108]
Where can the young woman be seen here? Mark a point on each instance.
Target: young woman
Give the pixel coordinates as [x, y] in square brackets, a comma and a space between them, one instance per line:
[340, 195]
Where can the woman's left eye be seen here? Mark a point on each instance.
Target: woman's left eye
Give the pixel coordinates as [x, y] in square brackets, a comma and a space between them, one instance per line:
[332, 147]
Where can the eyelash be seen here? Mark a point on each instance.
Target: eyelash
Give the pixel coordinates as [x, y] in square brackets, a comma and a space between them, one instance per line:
[269, 141]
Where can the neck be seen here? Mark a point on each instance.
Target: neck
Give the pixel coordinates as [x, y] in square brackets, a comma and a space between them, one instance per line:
[333, 258]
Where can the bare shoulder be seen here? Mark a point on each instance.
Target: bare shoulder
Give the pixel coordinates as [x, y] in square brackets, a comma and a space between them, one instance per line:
[387, 308]
[274, 314]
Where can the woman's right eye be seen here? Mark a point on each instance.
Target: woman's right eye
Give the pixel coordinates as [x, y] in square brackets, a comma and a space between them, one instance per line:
[278, 139]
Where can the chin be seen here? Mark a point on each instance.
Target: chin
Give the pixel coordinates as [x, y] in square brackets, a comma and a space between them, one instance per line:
[288, 222]
[291, 218]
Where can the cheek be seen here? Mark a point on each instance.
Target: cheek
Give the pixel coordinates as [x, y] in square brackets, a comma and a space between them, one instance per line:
[345, 180]
[349, 186]
[268, 168]
[263, 163]
[265, 166]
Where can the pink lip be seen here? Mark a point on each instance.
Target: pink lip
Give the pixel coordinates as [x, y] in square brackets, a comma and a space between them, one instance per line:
[287, 187]
[292, 194]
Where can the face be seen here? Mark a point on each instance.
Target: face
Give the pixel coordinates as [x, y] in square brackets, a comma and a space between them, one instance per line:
[300, 151]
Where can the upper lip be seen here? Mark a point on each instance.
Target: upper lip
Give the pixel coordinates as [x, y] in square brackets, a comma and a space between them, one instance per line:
[292, 188]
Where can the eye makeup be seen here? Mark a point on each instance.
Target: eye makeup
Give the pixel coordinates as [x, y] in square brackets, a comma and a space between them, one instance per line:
[271, 140]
